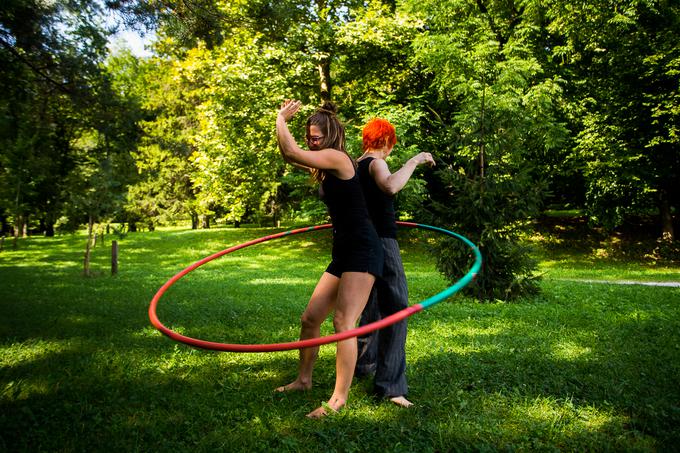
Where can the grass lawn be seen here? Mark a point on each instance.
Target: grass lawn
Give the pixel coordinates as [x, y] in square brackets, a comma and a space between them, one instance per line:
[581, 367]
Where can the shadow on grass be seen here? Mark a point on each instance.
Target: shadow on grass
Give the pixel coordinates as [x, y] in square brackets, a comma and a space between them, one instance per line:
[584, 375]
[83, 370]
[573, 238]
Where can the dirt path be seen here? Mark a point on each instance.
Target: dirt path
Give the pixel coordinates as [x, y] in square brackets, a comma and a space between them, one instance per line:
[622, 282]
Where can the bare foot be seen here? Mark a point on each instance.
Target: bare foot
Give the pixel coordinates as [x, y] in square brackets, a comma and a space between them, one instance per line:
[401, 401]
[319, 412]
[294, 386]
[331, 407]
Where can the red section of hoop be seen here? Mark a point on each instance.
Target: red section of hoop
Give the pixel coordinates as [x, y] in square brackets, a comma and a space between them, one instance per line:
[270, 347]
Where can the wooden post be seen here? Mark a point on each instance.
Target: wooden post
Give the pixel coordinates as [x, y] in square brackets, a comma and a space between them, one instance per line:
[114, 257]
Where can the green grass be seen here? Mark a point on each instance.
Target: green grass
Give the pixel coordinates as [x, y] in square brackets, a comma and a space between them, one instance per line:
[570, 249]
[581, 367]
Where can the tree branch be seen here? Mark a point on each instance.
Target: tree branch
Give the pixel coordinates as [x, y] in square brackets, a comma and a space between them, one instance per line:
[32, 67]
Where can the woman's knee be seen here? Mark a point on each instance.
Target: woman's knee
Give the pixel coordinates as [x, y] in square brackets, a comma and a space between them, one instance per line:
[309, 320]
[342, 322]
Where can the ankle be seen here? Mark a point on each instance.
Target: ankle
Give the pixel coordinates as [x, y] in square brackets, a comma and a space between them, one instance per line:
[336, 403]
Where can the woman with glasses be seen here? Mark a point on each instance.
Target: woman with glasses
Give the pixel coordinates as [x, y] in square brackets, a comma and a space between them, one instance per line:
[357, 256]
[383, 352]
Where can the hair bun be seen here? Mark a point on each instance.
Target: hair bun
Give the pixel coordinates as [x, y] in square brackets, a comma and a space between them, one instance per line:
[328, 107]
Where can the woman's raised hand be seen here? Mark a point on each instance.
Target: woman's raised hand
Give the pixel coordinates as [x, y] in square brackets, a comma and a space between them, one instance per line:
[289, 108]
[424, 158]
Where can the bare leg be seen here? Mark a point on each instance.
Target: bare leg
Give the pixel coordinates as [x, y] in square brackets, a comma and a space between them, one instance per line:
[320, 304]
[353, 293]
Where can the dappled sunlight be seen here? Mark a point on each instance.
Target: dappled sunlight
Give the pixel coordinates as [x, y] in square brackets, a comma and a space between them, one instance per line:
[596, 419]
[560, 416]
[74, 319]
[444, 330]
[570, 351]
[30, 350]
[560, 367]
[26, 389]
[591, 270]
[147, 332]
[46, 262]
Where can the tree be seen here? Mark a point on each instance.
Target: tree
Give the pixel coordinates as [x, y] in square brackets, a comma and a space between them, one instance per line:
[623, 66]
[49, 53]
[492, 113]
[163, 189]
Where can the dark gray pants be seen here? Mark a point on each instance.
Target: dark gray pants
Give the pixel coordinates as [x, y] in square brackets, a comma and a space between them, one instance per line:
[384, 351]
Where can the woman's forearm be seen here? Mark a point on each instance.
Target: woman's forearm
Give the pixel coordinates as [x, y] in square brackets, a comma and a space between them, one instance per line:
[397, 180]
[287, 145]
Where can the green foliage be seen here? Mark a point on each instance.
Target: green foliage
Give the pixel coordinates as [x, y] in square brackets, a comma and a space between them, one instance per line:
[492, 213]
[573, 104]
[54, 95]
[494, 119]
[164, 189]
[236, 155]
[621, 65]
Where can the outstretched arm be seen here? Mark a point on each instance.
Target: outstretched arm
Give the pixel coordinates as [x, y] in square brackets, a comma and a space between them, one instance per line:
[392, 183]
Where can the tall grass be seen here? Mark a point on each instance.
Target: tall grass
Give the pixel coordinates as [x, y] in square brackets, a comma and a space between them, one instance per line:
[581, 367]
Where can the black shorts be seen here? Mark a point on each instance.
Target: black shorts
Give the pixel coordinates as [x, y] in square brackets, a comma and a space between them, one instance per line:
[367, 257]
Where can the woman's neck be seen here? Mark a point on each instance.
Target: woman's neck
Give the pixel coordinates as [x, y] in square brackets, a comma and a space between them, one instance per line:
[375, 153]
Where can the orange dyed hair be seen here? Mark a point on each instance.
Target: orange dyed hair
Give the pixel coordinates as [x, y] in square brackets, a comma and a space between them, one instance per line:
[378, 133]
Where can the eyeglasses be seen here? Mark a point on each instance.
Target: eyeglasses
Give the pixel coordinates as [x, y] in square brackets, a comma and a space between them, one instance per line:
[315, 138]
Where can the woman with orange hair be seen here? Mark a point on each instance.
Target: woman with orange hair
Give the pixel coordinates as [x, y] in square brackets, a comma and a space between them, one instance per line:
[357, 256]
[383, 352]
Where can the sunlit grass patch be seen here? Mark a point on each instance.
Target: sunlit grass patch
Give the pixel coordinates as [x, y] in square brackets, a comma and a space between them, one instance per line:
[569, 350]
[29, 351]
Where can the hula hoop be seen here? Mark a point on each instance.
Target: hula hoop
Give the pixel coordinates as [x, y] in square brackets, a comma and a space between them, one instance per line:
[396, 317]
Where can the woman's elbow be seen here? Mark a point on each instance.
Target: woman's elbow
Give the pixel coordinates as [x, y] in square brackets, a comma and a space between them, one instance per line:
[390, 190]
[287, 152]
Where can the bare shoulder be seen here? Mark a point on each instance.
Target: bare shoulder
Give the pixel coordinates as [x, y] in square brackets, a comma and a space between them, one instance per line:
[339, 162]
[378, 166]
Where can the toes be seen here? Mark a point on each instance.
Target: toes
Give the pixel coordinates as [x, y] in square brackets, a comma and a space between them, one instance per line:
[319, 412]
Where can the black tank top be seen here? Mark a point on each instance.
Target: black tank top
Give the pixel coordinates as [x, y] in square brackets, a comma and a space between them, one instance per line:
[346, 205]
[356, 245]
[380, 205]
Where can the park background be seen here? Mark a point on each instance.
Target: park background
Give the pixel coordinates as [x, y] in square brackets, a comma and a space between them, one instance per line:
[555, 130]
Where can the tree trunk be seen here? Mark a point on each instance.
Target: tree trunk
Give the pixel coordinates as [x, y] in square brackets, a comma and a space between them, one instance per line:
[17, 216]
[18, 224]
[324, 67]
[4, 226]
[324, 55]
[47, 225]
[205, 222]
[667, 231]
[194, 221]
[482, 151]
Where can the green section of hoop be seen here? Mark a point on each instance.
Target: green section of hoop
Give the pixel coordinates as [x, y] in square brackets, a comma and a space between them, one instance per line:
[467, 278]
